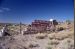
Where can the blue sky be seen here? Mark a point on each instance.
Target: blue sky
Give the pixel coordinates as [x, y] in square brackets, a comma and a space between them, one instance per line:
[26, 11]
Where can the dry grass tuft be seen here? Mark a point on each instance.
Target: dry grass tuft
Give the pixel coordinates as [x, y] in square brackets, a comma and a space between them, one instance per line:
[41, 35]
[53, 42]
[66, 44]
[33, 45]
[61, 35]
[49, 47]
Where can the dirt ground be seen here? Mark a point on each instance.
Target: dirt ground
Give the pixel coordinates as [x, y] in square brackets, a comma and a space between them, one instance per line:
[24, 41]
[60, 40]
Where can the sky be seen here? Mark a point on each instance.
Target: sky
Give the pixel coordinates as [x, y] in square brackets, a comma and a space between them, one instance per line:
[27, 11]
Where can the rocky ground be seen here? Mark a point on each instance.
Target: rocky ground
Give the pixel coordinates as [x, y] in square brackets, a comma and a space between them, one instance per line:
[61, 40]
[31, 42]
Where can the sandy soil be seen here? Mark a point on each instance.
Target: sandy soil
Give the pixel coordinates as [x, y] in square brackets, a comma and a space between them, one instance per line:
[23, 41]
[51, 41]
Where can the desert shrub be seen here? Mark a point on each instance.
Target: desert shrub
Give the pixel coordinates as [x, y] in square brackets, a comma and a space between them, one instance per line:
[49, 47]
[33, 45]
[68, 21]
[41, 36]
[51, 36]
[66, 44]
[61, 35]
[53, 42]
[60, 29]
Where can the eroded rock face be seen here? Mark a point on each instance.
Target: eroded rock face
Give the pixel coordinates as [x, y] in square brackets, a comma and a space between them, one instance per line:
[66, 44]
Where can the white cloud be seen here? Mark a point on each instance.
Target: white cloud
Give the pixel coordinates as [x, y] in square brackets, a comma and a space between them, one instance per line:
[2, 9]
[7, 9]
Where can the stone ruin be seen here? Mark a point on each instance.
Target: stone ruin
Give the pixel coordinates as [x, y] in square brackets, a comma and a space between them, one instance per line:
[35, 27]
[41, 26]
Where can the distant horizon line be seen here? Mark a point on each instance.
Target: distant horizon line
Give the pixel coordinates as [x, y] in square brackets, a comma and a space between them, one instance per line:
[32, 21]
